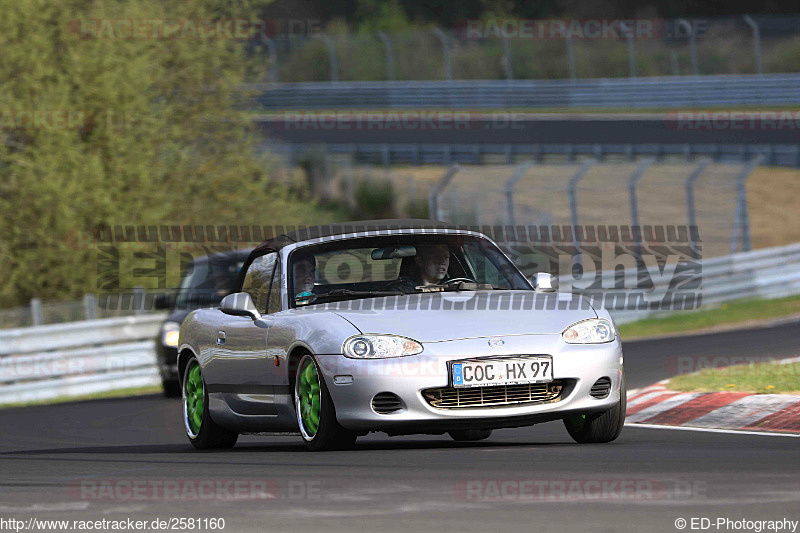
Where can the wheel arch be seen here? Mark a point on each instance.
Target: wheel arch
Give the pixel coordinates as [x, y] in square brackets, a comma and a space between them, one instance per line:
[185, 353]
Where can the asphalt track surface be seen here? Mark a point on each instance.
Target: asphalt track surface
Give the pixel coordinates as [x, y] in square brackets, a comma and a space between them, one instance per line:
[527, 479]
[447, 128]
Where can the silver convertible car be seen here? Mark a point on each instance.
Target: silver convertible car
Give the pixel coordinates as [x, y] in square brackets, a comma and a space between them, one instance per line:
[397, 326]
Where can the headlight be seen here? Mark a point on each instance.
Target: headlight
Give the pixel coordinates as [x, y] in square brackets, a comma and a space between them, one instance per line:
[169, 334]
[379, 346]
[592, 331]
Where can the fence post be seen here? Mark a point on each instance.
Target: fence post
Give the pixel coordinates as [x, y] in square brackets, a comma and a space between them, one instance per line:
[573, 69]
[673, 59]
[389, 53]
[509, 190]
[632, 182]
[332, 61]
[756, 40]
[507, 59]
[90, 306]
[36, 312]
[692, 44]
[448, 68]
[631, 53]
[436, 190]
[572, 190]
[273, 53]
[689, 185]
[742, 218]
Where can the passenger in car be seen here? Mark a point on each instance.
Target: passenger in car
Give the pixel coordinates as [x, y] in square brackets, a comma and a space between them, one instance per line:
[304, 272]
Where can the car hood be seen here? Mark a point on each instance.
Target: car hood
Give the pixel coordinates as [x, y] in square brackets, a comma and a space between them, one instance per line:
[435, 317]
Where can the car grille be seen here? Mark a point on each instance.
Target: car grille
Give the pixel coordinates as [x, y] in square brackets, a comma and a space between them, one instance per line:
[601, 388]
[454, 398]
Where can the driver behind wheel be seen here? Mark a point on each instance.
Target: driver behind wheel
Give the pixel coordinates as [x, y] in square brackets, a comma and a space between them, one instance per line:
[432, 261]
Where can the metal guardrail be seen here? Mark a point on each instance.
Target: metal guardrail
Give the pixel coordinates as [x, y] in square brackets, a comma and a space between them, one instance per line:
[477, 154]
[655, 92]
[79, 358]
[766, 273]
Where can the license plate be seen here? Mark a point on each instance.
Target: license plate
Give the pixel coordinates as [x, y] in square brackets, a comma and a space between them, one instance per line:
[502, 371]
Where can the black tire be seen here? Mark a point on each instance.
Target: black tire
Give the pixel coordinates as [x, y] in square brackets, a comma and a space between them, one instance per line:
[210, 435]
[469, 435]
[329, 435]
[599, 427]
[172, 388]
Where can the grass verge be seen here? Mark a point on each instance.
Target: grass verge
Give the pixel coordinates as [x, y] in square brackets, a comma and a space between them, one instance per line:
[119, 393]
[760, 378]
[731, 313]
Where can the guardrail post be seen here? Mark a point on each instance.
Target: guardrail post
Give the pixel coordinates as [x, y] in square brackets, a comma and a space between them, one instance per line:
[333, 63]
[388, 52]
[742, 218]
[572, 190]
[689, 185]
[436, 190]
[692, 44]
[90, 306]
[273, 54]
[509, 70]
[756, 41]
[632, 182]
[448, 68]
[36, 312]
[573, 69]
[509, 190]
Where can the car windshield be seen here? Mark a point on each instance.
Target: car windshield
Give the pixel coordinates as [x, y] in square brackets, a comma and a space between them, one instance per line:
[370, 267]
[207, 281]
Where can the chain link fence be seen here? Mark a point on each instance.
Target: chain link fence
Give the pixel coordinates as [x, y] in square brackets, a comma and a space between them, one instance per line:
[508, 48]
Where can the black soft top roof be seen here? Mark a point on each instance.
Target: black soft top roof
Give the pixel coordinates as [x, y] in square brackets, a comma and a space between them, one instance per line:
[343, 228]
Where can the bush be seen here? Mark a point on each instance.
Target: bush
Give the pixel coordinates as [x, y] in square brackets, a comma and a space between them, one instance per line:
[374, 200]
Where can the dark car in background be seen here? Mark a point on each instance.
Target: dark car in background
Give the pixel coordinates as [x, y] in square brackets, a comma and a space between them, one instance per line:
[204, 283]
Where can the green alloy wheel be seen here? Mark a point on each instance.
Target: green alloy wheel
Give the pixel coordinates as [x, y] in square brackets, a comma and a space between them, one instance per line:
[309, 398]
[316, 415]
[202, 431]
[194, 399]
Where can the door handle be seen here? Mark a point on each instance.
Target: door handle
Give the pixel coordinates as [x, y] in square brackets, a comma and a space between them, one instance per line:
[221, 338]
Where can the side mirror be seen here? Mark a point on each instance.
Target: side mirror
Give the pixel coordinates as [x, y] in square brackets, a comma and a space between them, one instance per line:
[239, 304]
[544, 282]
[161, 301]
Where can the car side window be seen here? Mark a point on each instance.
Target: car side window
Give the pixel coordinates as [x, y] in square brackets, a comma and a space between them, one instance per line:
[274, 304]
[257, 280]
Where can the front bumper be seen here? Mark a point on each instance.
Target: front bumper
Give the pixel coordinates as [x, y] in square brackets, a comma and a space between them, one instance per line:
[407, 377]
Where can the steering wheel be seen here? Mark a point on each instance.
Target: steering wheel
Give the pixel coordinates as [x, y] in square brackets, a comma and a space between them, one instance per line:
[457, 280]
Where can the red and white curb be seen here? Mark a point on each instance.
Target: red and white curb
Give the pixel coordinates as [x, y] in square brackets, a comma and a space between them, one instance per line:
[740, 411]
